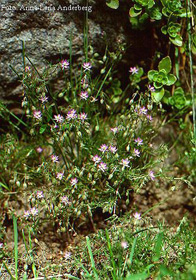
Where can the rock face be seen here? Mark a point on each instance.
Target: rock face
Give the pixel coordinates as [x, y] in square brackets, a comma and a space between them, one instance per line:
[45, 28]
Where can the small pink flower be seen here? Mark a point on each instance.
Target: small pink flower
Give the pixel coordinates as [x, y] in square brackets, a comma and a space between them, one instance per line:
[103, 148]
[37, 115]
[27, 214]
[59, 175]
[138, 141]
[39, 150]
[82, 117]
[39, 194]
[125, 162]
[84, 95]
[1, 245]
[96, 159]
[87, 66]
[73, 181]
[67, 255]
[102, 166]
[151, 88]
[151, 175]
[34, 211]
[124, 244]
[133, 70]
[143, 111]
[64, 200]
[54, 158]
[113, 149]
[64, 64]
[71, 115]
[137, 216]
[43, 99]
[136, 153]
[114, 130]
[58, 118]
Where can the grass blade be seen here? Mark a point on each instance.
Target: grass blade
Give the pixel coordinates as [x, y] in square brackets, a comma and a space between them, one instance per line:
[91, 257]
[15, 246]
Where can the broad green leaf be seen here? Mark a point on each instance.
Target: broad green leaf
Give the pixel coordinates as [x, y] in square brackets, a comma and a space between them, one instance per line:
[158, 95]
[134, 13]
[177, 41]
[150, 4]
[179, 90]
[113, 4]
[158, 245]
[151, 74]
[165, 64]
[171, 79]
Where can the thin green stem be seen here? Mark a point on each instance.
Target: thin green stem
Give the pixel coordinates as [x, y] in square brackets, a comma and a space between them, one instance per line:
[189, 28]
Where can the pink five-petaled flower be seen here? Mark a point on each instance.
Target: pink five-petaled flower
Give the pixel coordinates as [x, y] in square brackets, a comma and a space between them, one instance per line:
[64, 200]
[96, 159]
[34, 211]
[82, 117]
[39, 194]
[103, 148]
[137, 216]
[37, 115]
[59, 175]
[151, 88]
[113, 149]
[67, 255]
[133, 70]
[58, 118]
[87, 66]
[54, 158]
[43, 99]
[73, 181]
[84, 95]
[136, 153]
[39, 150]
[125, 162]
[138, 141]
[27, 214]
[114, 130]
[102, 166]
[143, 111]
[71, 115]
[64, 64]
[151, 175]
[124, 244]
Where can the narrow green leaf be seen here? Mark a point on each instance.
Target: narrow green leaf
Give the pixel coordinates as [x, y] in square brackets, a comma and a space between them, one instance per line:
[165, 64]
[158, 246]
[15, 246]
[133, 249]
[113, 4]
[91, 257]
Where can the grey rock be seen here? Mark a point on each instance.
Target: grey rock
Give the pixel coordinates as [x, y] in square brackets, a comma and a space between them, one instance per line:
[46, 29]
